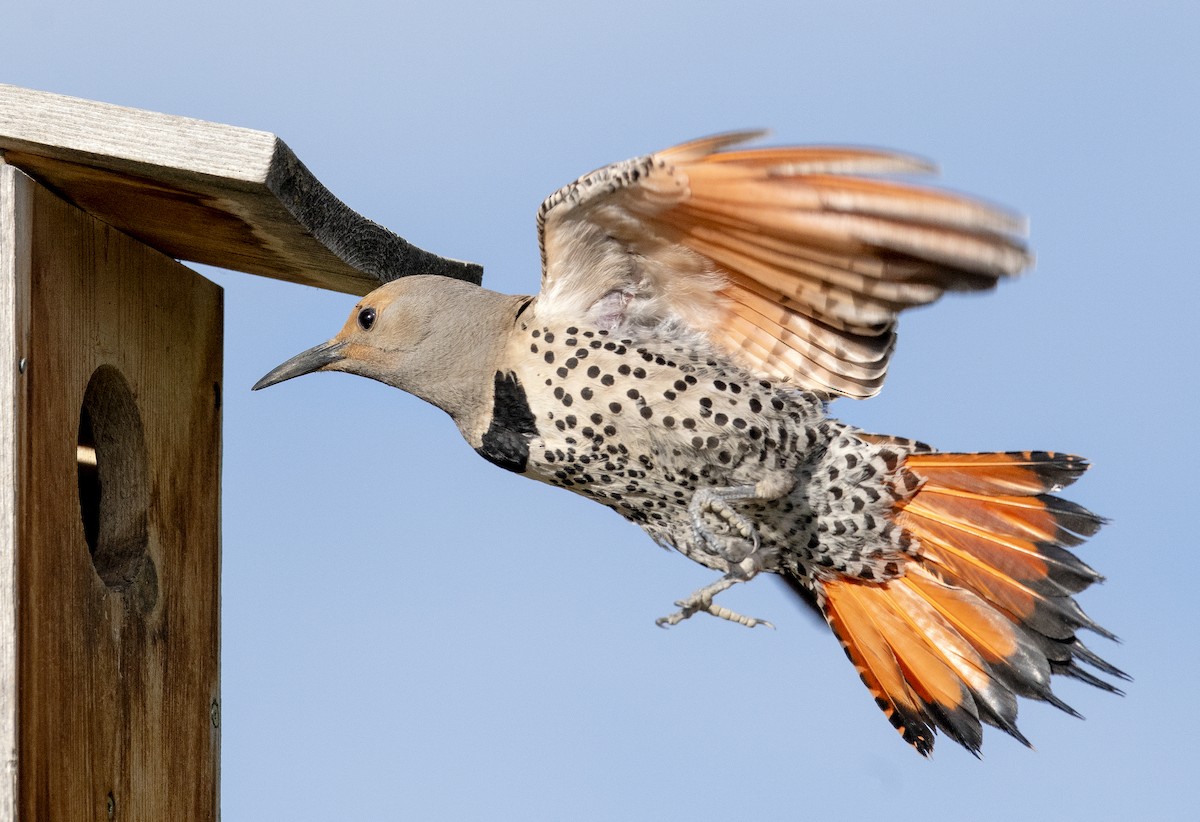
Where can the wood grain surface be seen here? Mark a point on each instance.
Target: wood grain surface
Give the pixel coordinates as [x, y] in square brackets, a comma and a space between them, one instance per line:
[115, 698]
[14, 339]
[210, 193]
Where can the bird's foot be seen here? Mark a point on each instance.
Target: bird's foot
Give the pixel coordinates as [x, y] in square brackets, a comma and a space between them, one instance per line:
[719, 503]
[701, 601]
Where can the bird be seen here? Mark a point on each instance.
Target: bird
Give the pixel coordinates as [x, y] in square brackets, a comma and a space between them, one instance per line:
[700, 309]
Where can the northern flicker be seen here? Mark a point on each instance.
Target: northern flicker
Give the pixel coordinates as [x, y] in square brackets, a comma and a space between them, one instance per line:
[699, 309]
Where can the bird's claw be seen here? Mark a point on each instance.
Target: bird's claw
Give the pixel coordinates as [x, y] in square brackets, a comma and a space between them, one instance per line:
[717, 611]
[718, 503]
[702, 602]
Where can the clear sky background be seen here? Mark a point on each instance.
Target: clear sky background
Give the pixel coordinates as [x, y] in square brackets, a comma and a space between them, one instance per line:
[412, 633]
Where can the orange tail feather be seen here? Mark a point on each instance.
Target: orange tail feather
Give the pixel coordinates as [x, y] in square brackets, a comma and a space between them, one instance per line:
[983, 611]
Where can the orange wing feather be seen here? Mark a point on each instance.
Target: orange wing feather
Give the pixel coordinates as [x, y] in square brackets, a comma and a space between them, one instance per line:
[793, 241]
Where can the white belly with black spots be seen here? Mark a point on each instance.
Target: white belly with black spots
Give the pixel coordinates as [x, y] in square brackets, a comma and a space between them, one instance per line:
[640, 427]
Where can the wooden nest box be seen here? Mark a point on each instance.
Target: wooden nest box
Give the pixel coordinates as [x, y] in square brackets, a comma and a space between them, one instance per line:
[110, 441]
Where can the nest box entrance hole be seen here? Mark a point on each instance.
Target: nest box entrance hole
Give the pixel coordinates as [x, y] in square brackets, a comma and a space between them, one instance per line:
[113, 485]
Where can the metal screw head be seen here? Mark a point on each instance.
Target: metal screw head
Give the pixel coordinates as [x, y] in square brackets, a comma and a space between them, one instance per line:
[111, 806]
[214, 713]
[21, 365]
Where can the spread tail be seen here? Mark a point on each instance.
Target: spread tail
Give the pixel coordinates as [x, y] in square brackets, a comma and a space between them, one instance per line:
[983, 612]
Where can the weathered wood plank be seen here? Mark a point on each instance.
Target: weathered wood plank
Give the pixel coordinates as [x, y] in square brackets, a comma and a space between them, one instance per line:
[118, 615]
[206, 192]
[14, 330]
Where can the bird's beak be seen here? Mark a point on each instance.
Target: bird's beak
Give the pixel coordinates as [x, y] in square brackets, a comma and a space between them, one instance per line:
[314, 359]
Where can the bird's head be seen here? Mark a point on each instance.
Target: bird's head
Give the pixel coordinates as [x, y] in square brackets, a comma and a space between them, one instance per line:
[383, 330]
[421, 334]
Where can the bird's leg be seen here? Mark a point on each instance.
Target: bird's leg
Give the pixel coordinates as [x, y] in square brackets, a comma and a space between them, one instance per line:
[719, 502]
[702, 600]
[743, 564]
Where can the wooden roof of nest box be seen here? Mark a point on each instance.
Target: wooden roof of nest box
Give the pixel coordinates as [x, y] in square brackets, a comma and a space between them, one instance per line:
[205, 192]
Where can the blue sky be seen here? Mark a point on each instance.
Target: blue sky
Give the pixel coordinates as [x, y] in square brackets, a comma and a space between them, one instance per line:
[410, 632]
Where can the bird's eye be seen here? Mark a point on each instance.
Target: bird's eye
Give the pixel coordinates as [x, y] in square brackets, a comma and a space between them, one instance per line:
[366, 318]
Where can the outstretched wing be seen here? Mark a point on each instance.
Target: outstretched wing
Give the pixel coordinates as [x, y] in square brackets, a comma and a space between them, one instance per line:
[795, 260]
